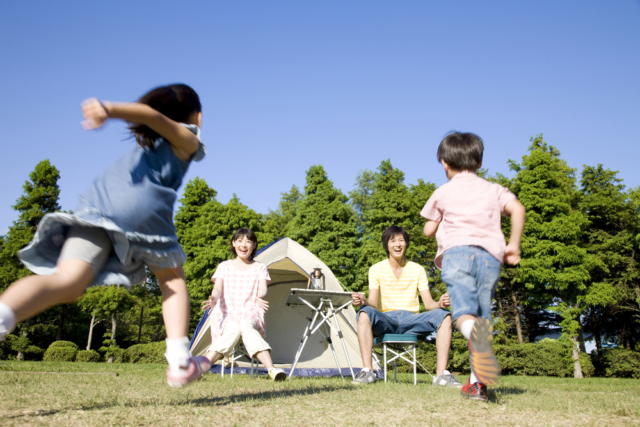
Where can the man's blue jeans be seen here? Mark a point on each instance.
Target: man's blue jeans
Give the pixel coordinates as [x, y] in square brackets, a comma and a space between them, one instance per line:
[404, 322]
[471, 275]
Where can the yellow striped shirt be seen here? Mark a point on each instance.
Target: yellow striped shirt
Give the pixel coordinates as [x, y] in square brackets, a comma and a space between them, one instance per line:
[398, 293]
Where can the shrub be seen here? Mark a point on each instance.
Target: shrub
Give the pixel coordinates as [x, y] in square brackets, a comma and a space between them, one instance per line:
[88, 356]
[60, 354]
[63, 344]
[33, 353]
[146, 353]
[617, 362]
[547, 357]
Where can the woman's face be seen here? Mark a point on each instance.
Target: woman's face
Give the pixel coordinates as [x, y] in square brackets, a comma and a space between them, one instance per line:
[243, 247]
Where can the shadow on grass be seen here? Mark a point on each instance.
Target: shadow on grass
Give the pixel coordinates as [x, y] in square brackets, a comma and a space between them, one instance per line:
[497, 394]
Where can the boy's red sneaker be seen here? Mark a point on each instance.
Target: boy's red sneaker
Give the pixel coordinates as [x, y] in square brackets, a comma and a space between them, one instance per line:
[475, 391]
[483, 362]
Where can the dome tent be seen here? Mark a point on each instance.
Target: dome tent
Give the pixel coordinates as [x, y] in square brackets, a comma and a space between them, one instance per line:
[289, 263]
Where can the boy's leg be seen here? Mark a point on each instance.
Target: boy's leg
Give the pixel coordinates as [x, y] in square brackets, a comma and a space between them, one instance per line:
[84, 253]
[183, 368]
[372, 322]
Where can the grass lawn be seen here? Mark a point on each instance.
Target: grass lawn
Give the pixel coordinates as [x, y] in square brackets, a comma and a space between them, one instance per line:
[139, 396]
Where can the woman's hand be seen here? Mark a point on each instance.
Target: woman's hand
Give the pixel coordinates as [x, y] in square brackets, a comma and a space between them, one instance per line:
[210, 303]
[95, 114]
[262, 304]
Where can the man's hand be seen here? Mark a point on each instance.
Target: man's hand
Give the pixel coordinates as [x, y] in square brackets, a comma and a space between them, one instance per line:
[210, 303]
[263, 305]
[358, 299]
[444, 300]
[512, 254]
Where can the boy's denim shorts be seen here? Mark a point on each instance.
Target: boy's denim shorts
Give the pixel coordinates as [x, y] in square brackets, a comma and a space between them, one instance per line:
[404, 322]
[471, 275]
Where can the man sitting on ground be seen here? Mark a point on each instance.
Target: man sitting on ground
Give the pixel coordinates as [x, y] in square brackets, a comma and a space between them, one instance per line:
[393, 307]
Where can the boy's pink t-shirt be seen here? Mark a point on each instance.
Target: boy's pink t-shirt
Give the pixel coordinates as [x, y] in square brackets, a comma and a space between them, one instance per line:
[469, 209]
[239, 299]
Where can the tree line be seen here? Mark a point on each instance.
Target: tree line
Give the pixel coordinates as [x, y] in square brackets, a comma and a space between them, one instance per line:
[579, 267]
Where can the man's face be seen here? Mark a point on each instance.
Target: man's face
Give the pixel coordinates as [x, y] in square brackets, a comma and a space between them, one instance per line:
[397, 246]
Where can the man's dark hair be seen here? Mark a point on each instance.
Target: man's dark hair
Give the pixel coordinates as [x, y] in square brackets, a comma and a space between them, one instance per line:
[461, 151]
[391, 232]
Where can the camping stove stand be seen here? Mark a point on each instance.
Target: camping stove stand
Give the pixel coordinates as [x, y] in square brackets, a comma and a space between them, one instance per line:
[321, 304]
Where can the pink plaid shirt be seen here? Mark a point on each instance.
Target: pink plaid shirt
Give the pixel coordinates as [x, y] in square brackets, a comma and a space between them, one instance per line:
[239, 297]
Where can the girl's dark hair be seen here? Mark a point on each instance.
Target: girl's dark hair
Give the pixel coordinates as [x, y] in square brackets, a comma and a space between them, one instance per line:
[177, 101]
[391, 232]
[249, 234]
[461, 151]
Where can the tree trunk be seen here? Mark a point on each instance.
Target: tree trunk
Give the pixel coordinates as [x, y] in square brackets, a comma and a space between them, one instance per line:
[140, 325]
[596, 331]
[20, 355]
[154, 338]
[581, 340]
[61, 321]
[577, 369]
[113, 335]
[93, 319]
[517, 317]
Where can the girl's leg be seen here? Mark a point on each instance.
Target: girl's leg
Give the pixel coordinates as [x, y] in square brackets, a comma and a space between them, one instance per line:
[257, 347]
[85, 252]
[225, 342]
[264, 357]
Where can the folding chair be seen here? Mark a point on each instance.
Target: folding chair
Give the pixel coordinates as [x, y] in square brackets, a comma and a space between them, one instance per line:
[398, 345]
[242, 352]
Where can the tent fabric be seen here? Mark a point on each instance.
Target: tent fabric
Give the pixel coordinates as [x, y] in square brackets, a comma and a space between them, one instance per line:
[289, 263]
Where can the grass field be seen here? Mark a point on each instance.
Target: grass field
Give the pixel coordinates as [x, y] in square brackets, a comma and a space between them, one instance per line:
[139, 396]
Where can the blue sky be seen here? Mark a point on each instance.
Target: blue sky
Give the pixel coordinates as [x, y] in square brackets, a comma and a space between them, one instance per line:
[289, 84]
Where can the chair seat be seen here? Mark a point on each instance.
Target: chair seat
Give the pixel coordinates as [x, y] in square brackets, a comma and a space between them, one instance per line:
[395, 338]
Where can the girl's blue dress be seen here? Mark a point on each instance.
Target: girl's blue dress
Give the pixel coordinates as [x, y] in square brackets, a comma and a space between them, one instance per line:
[133, 202]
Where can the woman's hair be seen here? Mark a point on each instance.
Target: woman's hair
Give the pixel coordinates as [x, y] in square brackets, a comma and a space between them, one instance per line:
[391, 232]
[461, 151]
[249, 234]
[177, 101]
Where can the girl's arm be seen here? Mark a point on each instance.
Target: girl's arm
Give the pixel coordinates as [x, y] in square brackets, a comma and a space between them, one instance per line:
[262, 292]
[215, 294]
[182, 140]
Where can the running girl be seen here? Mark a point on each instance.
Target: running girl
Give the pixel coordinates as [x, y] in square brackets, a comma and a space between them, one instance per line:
[238, 305]
[122, 223]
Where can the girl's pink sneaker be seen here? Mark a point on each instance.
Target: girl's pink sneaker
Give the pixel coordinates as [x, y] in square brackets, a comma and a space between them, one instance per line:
[198, 366]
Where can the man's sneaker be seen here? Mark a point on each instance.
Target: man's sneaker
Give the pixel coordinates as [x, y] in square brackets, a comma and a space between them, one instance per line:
[277, 374]
[446, 380]
[198, 366]
[475, 391]
[483, 362]
[364, 377]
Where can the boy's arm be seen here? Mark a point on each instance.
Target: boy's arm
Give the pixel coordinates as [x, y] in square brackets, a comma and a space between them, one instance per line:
[183, 141]
[429, 302]
[430, 228]
[517, 212]
[359, 299]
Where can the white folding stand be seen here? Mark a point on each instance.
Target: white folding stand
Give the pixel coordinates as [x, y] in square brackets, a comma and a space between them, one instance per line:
[322, 305]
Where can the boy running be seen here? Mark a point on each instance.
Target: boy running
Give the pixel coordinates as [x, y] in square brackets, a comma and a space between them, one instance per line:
[464, 216]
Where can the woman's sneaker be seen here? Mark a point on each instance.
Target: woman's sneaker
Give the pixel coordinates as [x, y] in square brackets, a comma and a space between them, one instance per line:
[198, 366]
[446, 380]
[364, 377]
[277, 374]
[475, 391]
[483, 362]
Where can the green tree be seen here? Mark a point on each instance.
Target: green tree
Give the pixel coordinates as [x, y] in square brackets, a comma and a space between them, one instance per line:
[553, 263]
[196, 194]
[326, 224]
[276, 223]
[104, 303]
[40, 197]
[611, 299]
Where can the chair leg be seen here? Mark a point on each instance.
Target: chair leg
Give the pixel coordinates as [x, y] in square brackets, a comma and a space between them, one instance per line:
[385, 362]
[233, 359]
[415, 371]
[395, 371]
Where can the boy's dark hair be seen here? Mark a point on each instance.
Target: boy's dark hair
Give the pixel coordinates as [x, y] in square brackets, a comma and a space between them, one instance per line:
[391, 232]
[249, 234]
[177, 101]
[461, 151]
